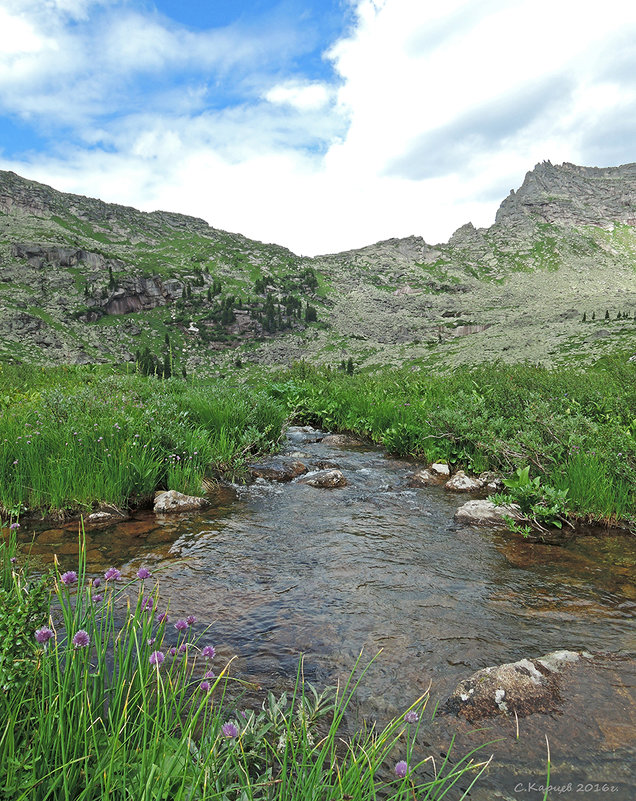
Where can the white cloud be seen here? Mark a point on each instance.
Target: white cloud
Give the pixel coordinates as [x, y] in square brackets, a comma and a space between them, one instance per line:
[304, 97]
[434, 113]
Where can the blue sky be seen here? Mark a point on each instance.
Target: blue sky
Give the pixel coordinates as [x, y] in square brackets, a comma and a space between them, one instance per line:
[322, 125]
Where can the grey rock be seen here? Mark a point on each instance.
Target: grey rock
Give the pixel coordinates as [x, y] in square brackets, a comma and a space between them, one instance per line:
[460, 482]
[173, 501]
[485, 513]
[440, 469]
[424, 478]
[326, 479]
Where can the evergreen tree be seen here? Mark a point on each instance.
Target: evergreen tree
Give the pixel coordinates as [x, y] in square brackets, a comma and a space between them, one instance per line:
[350, 367]
[607, 314]
[584, 317]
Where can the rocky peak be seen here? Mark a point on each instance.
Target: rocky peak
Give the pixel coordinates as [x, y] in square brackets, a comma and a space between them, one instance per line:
[571, 195]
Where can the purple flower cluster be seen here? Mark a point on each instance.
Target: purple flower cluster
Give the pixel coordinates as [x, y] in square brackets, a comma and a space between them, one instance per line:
[43, 635]
[181, 625]
[68, 578]
[401, 769]
[156, 658]
[81, 639]
[411, 716]
[229, 730]
[112, 574]
[142, 573]
[208, 652]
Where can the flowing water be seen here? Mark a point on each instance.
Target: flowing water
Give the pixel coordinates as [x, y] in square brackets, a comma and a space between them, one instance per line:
[281, 570]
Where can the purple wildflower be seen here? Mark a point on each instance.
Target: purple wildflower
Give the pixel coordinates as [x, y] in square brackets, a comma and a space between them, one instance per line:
[229, 730]
[181, 625]
[81, 639]
[14, 526]
[151, 641]
[401, 769]
[112, 574]
[13, 560]
[147, 605]
[191, 620]
[162, 618]
[205, 686]
[142, 573]
[411, 716]
[208, 652]
[97, 582]
[97, 598]
[183, 647]
[156, 658]
[209, 674]
[43, 635]
[172, 651]
[68, 578]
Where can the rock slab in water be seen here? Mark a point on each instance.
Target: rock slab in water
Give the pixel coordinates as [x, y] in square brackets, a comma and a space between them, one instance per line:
[460, 482]
[327, 479]
[524, 687]
[485, 513]
[277, 470]
[173, 501]
[107, 514]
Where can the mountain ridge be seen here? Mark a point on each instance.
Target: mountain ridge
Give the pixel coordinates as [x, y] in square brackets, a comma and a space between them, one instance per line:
[85, 280]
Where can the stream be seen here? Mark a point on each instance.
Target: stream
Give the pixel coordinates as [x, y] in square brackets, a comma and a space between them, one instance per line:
[281, 570]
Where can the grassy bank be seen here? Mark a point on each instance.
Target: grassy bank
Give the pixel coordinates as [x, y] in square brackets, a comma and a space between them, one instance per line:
[72, 437]
[91, 711]
[576, 431]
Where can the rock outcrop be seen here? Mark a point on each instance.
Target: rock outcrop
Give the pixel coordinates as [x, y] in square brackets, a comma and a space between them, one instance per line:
[278, 470]
[486, 513]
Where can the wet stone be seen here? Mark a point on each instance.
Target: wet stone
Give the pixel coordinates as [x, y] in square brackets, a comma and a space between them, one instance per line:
[277, 470]
[460, 482]
[423, 478]
[524, 687]
[173, 501]
[326, 479]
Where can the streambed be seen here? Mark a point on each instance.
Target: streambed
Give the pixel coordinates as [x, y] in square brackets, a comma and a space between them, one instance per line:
[284, 569]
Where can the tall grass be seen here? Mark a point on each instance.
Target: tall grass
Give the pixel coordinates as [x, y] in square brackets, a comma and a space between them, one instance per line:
[139, 712]
[497, 417]
[74, 438]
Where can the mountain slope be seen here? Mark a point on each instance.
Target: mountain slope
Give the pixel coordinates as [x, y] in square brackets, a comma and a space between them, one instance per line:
[82, 280]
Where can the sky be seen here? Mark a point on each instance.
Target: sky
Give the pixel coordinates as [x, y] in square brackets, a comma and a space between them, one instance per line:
[321, 125]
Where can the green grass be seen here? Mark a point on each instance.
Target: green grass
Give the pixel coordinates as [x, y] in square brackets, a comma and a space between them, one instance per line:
[98, 710]
[72, 437]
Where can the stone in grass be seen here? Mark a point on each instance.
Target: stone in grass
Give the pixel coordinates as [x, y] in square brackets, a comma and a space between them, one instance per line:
[486, 513]
[173, 501]
[107, 514]
[525, 687]
[460, 482]
[326, 479]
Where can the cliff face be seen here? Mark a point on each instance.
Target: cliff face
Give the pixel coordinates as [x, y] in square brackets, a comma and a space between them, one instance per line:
[575, 196]
[82, 280]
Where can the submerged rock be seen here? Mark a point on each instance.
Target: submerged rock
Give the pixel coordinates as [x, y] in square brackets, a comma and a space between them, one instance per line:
[485, 513]
[327, 479]
[460, 482]
[173, 501]
[278, 470]
[107, 514]
[524, 687]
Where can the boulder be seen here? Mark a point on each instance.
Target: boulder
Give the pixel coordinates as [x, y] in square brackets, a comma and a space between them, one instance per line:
[107, 514]
[327, 479]
[524, 687]
[173, 501]
[460, 482]
[277, 470]
[485, 513]
[423, 478]
[440, 469]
